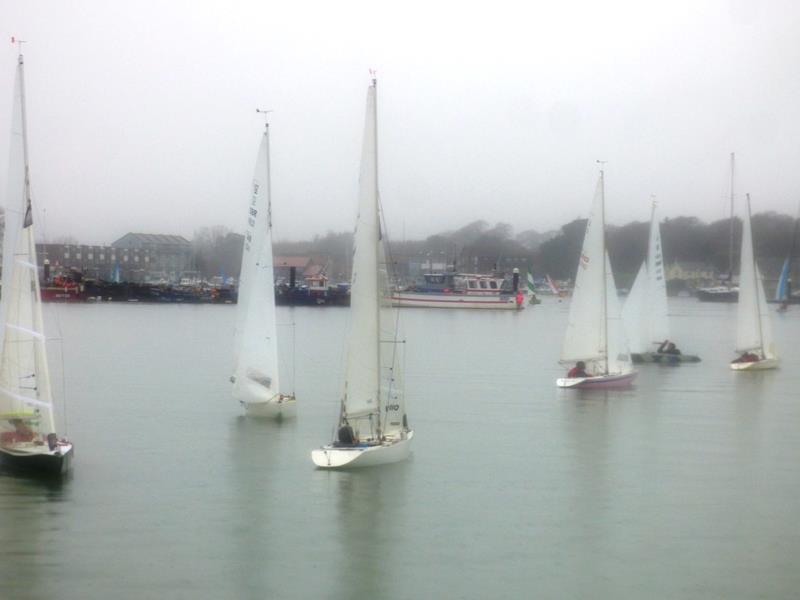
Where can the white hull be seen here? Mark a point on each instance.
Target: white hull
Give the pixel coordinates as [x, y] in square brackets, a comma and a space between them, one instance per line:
[331, 457]
[496, 302]
[285, 408]
[611, 381]
[760, 365]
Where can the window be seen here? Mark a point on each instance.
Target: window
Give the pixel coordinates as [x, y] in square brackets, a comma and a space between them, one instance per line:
[135, 259]
[66, 254]
[493, 285]
[472, 284]
[483, 285]
[77, 255]
[90, 256]
[147, 259]
[125, 258]
[102, 256]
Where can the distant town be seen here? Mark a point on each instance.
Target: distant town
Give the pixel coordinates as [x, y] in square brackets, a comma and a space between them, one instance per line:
[696, 253]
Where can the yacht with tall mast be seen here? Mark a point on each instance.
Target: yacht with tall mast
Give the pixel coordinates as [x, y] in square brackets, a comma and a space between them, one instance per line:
[372, 427]
[28, 437]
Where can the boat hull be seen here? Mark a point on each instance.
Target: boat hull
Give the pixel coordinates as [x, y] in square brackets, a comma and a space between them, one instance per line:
[333, 457]
[286, 408]
[600, 382]
[486, 302]
[663, 358]
[759, 365]
[717, 295]
[39, 461]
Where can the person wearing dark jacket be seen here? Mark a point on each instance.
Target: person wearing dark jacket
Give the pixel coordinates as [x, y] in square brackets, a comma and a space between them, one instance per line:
[579, 370]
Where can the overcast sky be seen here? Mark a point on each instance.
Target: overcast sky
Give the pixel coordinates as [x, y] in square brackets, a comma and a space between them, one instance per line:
[142, 114]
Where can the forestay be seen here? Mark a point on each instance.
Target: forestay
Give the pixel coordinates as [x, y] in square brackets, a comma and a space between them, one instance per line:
[256, 347]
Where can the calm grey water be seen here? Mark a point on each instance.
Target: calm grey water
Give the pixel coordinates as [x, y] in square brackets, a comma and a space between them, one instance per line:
[687, 486]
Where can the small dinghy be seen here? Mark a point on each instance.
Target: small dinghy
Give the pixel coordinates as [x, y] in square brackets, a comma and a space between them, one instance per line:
[595, 342]
[754, 342]
[256, 384]
[645, 314]
[372, 428]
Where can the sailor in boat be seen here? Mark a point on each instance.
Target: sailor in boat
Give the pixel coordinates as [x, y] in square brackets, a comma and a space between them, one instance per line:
[346, 436]
[668, 347]
[747, 357]
[579, 370]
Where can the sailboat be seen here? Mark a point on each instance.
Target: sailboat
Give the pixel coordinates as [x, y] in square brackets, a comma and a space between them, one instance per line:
[783, 291]
[754, 340]
[372, 428]
[645, 314]
[256, 381]
[595, 335]
[28, 438]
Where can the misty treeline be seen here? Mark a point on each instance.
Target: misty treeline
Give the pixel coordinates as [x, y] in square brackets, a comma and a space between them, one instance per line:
[687, 240]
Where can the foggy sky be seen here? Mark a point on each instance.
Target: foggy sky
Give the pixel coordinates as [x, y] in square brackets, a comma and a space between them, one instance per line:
[142, 114]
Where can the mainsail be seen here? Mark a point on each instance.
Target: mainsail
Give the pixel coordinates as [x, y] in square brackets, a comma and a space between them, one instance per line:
[753, 329]
[594, 331]
[256, 347]
[585, 338]
[361, 403]
[25, 390]
[645, 313]
[373, 402]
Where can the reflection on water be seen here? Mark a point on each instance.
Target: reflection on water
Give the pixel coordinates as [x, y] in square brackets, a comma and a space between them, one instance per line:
[370, 519]
[32, 509]
[686, 486]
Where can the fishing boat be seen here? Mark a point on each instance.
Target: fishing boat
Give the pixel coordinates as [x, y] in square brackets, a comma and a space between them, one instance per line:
[595, 335]
[645, 313]
[726, 292]
[28, 437]
[754, 342]
[372, 428]
[256, 381]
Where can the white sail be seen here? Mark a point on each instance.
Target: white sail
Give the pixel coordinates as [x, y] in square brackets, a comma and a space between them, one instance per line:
[619, 359]
[634, 313]
[658, 317]
[256, 347]
[24, 373]
[585, 338]
[753, 328]
[361, 404]
[645, 313]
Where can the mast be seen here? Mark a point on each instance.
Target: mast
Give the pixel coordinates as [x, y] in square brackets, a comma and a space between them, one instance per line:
[755, 282]
[603, 260]
[730, 247]
[377, 254]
